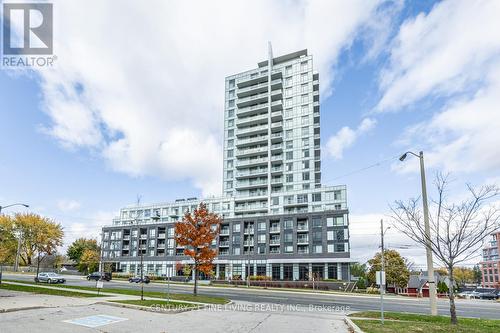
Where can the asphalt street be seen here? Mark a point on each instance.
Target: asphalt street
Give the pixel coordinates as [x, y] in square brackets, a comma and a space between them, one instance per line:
[355, 302]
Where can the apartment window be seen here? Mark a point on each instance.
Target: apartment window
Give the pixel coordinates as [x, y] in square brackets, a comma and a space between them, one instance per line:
[305, 164]
[236, 251]
[230, 153]
[262, 226]
[231, 84]
[305, 176]
[288, 81]
[305, 131]
[304, 120]
[289, 133]
[289, 249]
[262, 238]
[289, 178]
[340, 247]
[289, 144]
[330, 248]
[329, 234]
[316, 222]
[289, 155]
[316, 197]
[231, 93]
[231, 103]
[317, 249]
[288, 237]
[288, 112]
[289, 166]
[230, 123]
[304, 88]
[288, 123]
[288, 92]
[229, 174]
[236, 227]
[152, 232]
[305, 142]
[304, 98]
[288, 70]
[304, 108]
[230, 113]
[303, 66]
[317, 235]
[337, 195]
[229, 164]
[229, 185]
[303, 77]
[288, 102]
[230, 143]
[305, 153]
[288, 224]
[275, 201]
[230, 133]
[236, 239]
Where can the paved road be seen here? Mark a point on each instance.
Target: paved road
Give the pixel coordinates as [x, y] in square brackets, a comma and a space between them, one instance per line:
[355, 302]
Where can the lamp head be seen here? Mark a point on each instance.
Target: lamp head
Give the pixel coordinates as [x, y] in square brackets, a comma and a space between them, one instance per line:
[403, 157]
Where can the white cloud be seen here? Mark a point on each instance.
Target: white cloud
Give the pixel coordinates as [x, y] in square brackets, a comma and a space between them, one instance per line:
[441, 53]
[346, 137]
[68, 205]
[142, 85]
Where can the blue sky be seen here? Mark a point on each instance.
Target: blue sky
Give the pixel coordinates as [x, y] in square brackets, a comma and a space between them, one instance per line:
[116, 116]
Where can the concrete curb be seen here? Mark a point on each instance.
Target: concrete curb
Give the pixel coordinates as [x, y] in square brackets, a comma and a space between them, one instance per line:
[22, 309]
[352, 326]
[150, 308]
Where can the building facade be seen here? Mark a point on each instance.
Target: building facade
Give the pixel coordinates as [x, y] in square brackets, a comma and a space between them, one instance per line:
[491, 262]
[278, 220]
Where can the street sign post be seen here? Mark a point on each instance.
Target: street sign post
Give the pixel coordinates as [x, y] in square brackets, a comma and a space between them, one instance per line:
[99, 284]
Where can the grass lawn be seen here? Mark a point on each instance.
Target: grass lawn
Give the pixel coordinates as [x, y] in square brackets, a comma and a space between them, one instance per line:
[137, 292]
[414, 323]
[156, 303]
[45, 291]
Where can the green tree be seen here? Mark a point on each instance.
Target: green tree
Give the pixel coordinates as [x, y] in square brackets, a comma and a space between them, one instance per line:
[478, 275]
[89, 261]
[76, 249]
[8, 241]
[358, 270]
[396, 271]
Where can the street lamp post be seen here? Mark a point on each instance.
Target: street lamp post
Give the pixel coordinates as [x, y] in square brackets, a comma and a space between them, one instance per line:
[382, 272]
[428, 248]
[16, 204]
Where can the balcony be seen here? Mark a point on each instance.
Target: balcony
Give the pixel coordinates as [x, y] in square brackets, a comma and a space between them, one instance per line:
[262, 207]
[277, 126]
[274, 251]
[248, 243]
[277, 137]
[275, 241]
[252, 120]
[277, 116]
[224, 244]
[277, 147]
[224, 232]
[250, 184]
[274, 230]
[252, 110]
[251, 151]
[277, 105]
[277, 169]
[127, 237]
[253, 99]
[259, 129]
[261, 139]
[253, 89]
[144, 236]
[302, 227]
[277, 180]
[161, 236]
[276, 94]
[302, 240]
[250, 194]
[250, 80]
[161, 246]
[277, 157]
[251, 173]
[249, 231]
[251, 162]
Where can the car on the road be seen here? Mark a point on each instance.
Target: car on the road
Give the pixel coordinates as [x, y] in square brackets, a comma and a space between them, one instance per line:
[99, 276]
[489, 295]
[465, 294]
[49, 277]
[137, 279]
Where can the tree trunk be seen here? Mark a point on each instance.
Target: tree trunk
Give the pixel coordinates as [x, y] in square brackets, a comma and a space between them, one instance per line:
[195, 279]
[37, 266]
[451, 296]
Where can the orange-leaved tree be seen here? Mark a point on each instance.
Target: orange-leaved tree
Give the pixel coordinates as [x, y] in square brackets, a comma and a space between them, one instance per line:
[196, 232]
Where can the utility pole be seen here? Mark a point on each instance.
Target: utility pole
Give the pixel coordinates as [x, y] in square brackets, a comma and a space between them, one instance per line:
[382, 272]
[18, 252]
[428, 249]
[139, 248]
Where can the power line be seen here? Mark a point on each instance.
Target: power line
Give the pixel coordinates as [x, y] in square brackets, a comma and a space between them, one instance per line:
[363, 169]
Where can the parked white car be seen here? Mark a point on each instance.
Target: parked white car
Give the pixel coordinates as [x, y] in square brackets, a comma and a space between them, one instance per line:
[49, 277]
